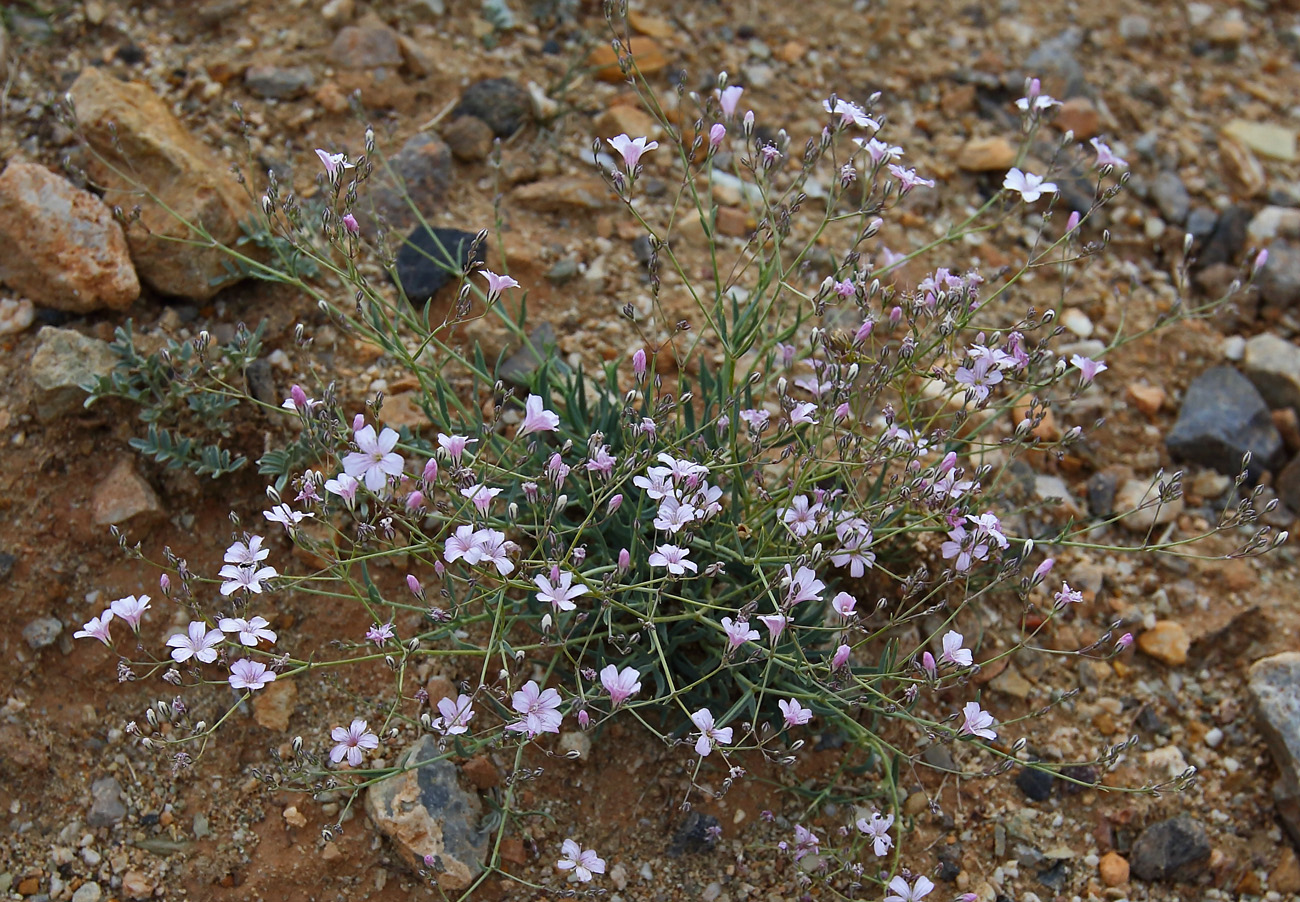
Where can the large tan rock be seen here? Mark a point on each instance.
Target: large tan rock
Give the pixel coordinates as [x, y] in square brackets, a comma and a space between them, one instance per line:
[62, 247]
[144, 156]
[125, 499]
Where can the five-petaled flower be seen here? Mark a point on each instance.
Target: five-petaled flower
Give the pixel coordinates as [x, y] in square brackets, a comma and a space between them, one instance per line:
[877, 828]
[620, 684]
[249, 579]
[537, 418]
[247, 555]
[249, 674]
[1087, 367]
[710, 735]
[1029, 186]
[672, 557]
[455, 715]
[558, 591]
[287, 516]
[375, 460]
[902, 892]
[250, 632]
[976, 722]
[953, 652]
[97, 628]
[130, 609]
[844, 603]
[794, 713]
[738, 632]
[353, 741]
[196, 642]
[1105, 156]
[539, 710]
[497, 284]
[583, 862]
[631, 149]
[333, 162]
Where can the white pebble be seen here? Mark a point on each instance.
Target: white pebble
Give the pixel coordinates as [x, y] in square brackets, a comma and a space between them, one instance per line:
[1213, 737]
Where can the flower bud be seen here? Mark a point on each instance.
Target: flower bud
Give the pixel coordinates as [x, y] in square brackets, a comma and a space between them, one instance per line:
[614, 504]
[430, 474]
[1072, 223]
[624, 560]
[414, 585]
[165, 584]
[716, 134]
[639, 364]
[358, 422]
[414, 501]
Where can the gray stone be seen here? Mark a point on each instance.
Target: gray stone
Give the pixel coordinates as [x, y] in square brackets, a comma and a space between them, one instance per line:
[499, 102]
[1170, 850]
[1279, 281]
[1222, 418]
[1274, 685]
[1171, 197]
[88, 892]
[1054, 62]
[426, 813]
[1134, 29]
[1273, 365]
[1225, 243]
[65, 361]
[1287, 484]
[279, 82]
[107, 805]
[1274, 222]
[562, 271]
[366, 47]
[1201, 222]
[417, 175]
[42, 632]
[519, 367]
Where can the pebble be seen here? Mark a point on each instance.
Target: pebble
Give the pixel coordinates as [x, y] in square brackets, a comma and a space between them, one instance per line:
[1079, 115]
[1167, 642]
[1242, 167]
[1234, 348]
[1273, 222]
[426, 812]
[1140, 506]
[88, 892]
[1171, 197]
[575, 741]
[1279, 281]
[1222, 417]
[500, 103]
[1170, 849]
[365, 47]
[125, 499]
[16, 315]
[986, 155]
[274, 705]
[1276, 142]
[1285, 878]
[1225, 243]
[64, 361]
[1147, 398]
[106, 803]
[1134, 29]
[422, 277]
[42, 632]
[469, 138]
[646, 53]
[279, 83]
[1035, 784]
[136, 885]
[1274, 686]
[1077, 322]
[574, 194]
[1113, 869]
[622, 119]
[63, 249]
[1272, 364]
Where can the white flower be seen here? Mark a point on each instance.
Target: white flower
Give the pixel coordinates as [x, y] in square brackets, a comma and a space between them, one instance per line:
[1029, 186]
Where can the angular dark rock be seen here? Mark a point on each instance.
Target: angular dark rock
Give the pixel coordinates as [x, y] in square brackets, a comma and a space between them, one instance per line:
[1170, 197]
[1228, 238]
[694, 835]
[430, 258]
[1170, 849]
[416, 176]
[1035, 784]
[279, 82]
[499, 102]
[1222, 418]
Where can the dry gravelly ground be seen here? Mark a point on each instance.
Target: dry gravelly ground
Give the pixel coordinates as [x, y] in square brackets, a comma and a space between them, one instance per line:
[943, 69]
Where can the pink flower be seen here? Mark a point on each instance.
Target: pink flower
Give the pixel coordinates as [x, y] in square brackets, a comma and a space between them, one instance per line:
[583, 862]
[717, 132]
[728, 97]
[247, 555]
[197, 642]
[841, 657]
[496, 550]
[333, 162]
[624, 560]
[97, 628]
[1067, 596]
[710, 735]
[1104, 155]
[537, 418]
[775, 624]
[454, 445]
[462, 545]
[908, 179]
[844, 603]
[602, 462]
[850, 113]
[631, 149]
[639, 364]
[376, 460]
[249, 579]
[481, 496]
[1260, 260]
[130, 609]
[801, 517]
[250, 632]
[298, 400]
[380, 633]
[1124, 641]
[794, 713]
[878, 829]
[538, 709]
[1035, 101]
[456, 715]
[249, 674]
[979, 378]
[805, 842]
[352, 741]
[953, 652]
[1030, 187]
[287, 516]
[559, 595]
[344, 486]
[1087, 367]
[804, 585]
[976, 722]
[497, 284]
[673, 515]
[620, 684]
[673, 558]
[350, 223]
[802, 412]
[879, 151]
[738, 632]
[904, 893]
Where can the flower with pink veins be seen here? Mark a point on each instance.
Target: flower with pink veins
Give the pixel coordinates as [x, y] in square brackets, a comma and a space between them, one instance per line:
[130, 609]
[804, 585]
[494, 549]
[841, 657]
[776, 624]
[353, 742]
[249, 674]
[850, 113]
[1087, 367]
[583, 862]
[344, 486]
[558, 591]
[480, 496]
[877, 828]
[539, 709]
[738, 632]
[631, 149]
[497, 284]
[196, 642]
[902, 892]
[537, 418]
[97, 628]
[1105, 156]
[801, 517]
[333, 162]
[802, 412]
[794, 713]
[454, 445]
[375, 460]
[710, 734]
[462, 545]
[728, 97]
[953, 652]
[908, 179]
[456, 715]
[287, 516]
[673, 558]
[976, 722]
[249, 579]
[250, 632]
[620, 684]
[844, 603]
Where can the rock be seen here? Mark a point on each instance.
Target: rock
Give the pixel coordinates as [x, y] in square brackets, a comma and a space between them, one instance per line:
[1273, 365]
[420, 171]
[1288, 484]
[1273, 222]
[1147, 398]
[1274, 141]
[647, 56]
[1241, 167]
[1113, 869]
[1285, 878]
[1054, 62]
[1279, 281]
[1201, 222]
[1171, 197]
[1077, 322]
[419, 59]
[336, 11]
[88, 892]
[1225, 243]
[426, 814]
[428, 10]
[986, 155]
[107, 805]
[1079, 115]
[693, 835]
[469, 137]
[278, 82]
[125, 499]
[136, 886]
[164, 159]
[430, 258]
[575, 741]
[368, 46]
[1223, 417]
[1138, 503]
[519, 367]
[1167, 642]
[63, 249]
[42, 632]
[1102, 487]
[1170, 850]
[733, 222]
[16, 315]
[653, 26]
[626, 120]
[563, 272]
[563, 195]
[64, 362]
[273, 706]
[403, 410]
[1288, 426]
[1035, 784]
[1134, 29]
[1274, 685]
[499, 102]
